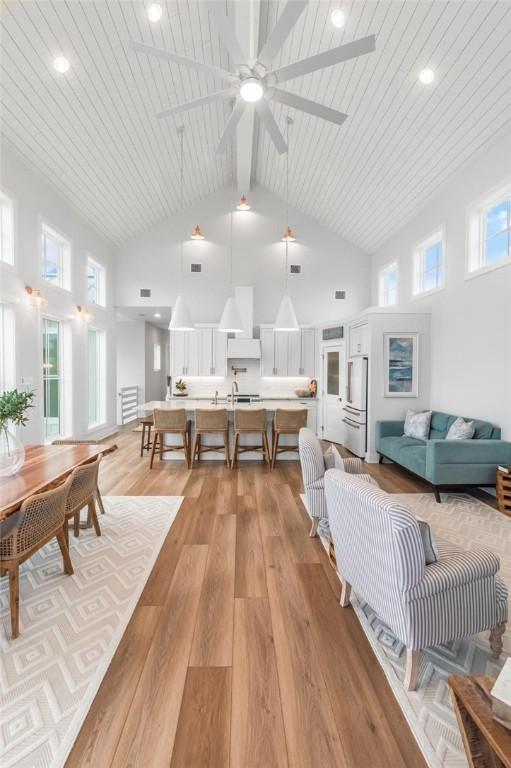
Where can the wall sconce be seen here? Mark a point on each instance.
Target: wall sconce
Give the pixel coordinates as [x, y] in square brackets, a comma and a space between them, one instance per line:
[36, 299]
[83, 314]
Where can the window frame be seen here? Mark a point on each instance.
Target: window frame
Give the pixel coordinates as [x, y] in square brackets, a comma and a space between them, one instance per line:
[101, 282]
[6, 199]
[7, 347]
[101, 379]
[419, 252]
[382, 290]
[60, 378]
[476, 220]
[65, 249]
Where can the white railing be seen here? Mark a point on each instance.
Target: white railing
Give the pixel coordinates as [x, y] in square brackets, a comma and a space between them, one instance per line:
[128, 404]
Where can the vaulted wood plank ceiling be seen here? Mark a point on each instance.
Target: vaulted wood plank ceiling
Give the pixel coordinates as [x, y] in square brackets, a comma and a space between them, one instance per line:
[94, 134]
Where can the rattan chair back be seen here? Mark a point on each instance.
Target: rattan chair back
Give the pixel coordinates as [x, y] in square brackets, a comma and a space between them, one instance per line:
[250, 420]
[208, 420]
[290, 419]
[84, 482]
[166, 419]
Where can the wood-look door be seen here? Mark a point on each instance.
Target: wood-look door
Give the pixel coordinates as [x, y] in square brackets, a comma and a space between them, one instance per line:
[333, 384]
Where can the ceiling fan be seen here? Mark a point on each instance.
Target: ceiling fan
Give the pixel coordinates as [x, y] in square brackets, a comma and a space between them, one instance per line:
[255, 82]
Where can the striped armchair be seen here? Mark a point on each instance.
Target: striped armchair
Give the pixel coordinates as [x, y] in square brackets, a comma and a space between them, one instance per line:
[380, 552]
[313, 475]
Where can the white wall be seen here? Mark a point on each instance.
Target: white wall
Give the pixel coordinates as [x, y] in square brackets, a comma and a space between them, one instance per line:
[131, 357]
[471, 319]
[328, 262]
[154, 380]
[36, 200]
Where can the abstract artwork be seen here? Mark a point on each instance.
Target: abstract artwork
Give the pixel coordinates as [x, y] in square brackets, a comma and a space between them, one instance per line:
[401, 364]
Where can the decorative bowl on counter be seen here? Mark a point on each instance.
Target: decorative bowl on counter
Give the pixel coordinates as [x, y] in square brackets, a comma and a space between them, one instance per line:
[303, 393]
[180, 394]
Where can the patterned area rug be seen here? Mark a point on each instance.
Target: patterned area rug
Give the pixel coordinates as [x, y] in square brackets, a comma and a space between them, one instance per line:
[71, 627]
[463, 520]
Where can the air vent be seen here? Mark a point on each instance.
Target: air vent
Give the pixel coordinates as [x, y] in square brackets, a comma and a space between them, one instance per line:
[145, 293]
[295, 269]
[340, 294]
[195, 267]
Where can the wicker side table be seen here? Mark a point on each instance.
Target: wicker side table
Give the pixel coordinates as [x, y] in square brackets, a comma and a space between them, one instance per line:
[504, 491]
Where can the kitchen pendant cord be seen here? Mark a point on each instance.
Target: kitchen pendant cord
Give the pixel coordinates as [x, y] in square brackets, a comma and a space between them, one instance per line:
[231, 292]
[286, 283]
[181, 132]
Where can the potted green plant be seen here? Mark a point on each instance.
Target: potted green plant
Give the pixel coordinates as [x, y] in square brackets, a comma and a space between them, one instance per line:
[181, 388]
[13, 410]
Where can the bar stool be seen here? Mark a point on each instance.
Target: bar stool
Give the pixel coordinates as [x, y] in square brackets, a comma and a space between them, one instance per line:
[209, 422]
[286, 421]
[145, 445]
[246, 422]
[170, 422]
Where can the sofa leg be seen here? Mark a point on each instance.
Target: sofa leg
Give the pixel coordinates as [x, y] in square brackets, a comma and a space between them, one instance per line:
[345, 594]
[412, 669]
[314, 528]
[496, 639]
[380, 460]
[436, 491]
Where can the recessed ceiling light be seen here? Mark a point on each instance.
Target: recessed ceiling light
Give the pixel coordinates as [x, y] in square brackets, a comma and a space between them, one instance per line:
[156, 314]
[338, 18]
[154, 12]
[61, 64]
[426, 76]
[251, 89]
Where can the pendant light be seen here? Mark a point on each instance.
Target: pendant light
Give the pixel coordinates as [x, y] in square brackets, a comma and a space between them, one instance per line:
[243, 204]
[197, 233]
[230, 322]
[286, 316]
[180, 319]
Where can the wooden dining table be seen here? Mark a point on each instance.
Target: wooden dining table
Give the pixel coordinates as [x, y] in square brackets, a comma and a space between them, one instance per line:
[44, 467]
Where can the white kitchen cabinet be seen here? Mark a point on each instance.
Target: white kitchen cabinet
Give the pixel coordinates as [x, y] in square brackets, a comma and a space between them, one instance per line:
[281, 352]
[267, 352]
[202, 352]
[288, 353]
[359, 340]
[184, 353]
[308, 352]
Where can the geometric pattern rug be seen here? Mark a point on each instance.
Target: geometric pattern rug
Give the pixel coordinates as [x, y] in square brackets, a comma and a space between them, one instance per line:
[467, 522]
[70, 627]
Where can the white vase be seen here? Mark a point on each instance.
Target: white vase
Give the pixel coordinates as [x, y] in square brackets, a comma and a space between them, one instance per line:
[168, 396]
[12, 453]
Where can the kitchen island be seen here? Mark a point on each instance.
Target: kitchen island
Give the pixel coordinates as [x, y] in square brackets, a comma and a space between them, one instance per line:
[191, 404]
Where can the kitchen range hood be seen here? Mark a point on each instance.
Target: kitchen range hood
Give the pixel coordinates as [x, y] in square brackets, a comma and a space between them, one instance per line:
[244, 346]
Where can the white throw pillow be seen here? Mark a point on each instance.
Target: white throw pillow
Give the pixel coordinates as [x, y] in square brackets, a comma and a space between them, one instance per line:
[461, 430]
[417, 424]
[333, 459]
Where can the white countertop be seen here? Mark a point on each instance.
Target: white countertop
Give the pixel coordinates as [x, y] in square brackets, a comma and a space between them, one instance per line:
[191, 404]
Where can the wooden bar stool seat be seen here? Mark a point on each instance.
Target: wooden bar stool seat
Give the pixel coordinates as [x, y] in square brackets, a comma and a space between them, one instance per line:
[250, 422]
[147, 424]
[171, 422]
[286, 421]
[211, 422]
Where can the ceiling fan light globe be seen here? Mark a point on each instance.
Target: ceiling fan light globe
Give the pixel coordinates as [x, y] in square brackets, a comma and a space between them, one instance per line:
[251, 90]
[338, 18]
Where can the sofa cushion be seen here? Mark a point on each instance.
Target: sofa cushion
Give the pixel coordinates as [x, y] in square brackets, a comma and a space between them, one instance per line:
[417, 424]
[485, 431]
[440, 424]
[413, 457]
[393, 445]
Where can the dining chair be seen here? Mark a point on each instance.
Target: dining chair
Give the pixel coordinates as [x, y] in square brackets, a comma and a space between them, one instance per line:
[171, 422]
[211, 422]
[249, 421]
[286, 421]
[40, 518]
[99, 498]
[82, 493]
[145, 442]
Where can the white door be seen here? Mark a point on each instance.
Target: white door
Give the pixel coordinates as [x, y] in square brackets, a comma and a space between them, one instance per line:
[333, 393]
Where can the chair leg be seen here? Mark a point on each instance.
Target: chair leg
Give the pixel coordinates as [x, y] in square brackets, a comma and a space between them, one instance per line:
[161, 445]
[14, 599]
[266, 449]
[195, 447]
[186, 447]
[66, 531]
[76, 524]
[142, 440]
[496, 639]
[345, 594]
[153, 449]
[314, 528]
[148, 436]
[275, 449]
[235, 450]
[436, 491]
[412, 668]
[94, 517]
[68, 566]
[226, 443]
[380, 460]
[99, 500]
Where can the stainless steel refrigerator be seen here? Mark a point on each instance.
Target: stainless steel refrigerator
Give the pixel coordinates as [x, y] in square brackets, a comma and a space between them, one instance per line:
[355, 407]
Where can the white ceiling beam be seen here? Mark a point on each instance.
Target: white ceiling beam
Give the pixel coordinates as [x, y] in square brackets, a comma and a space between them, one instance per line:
[246, 23]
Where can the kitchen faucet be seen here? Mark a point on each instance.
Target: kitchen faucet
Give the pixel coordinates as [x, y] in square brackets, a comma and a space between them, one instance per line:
[234, 388]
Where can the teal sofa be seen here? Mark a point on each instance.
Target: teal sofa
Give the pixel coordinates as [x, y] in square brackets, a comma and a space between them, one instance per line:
[445, 462]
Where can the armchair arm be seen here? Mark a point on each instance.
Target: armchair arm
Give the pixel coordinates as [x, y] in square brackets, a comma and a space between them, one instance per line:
[467, 452]
[454, 570]
[317, 485]
[389, 429]
[353, 466]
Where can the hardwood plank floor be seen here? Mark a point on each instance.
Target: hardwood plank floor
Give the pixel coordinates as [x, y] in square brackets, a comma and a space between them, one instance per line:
[238, 654]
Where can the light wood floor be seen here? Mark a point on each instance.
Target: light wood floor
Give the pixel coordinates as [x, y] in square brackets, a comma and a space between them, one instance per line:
[238, 653]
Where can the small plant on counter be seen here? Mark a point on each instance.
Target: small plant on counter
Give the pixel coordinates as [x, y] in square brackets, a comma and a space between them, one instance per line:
[181, 386]
[13, 408]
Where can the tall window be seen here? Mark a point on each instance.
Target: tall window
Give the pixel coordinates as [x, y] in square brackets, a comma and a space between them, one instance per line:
[6, 229]
[7, 349]
[96, 363]
[96, 288]
[429, 264]
[490, 232]
[52, 380]
[388, 285]
[56, 258]
[157, 357]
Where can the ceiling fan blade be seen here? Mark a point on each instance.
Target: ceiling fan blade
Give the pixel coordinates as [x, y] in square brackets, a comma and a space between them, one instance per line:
[283, 27]
[229, 39]
[195, 103]
[326, 59]
[160, 53]
[270, 123]
[231, 125]
[306, 105]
